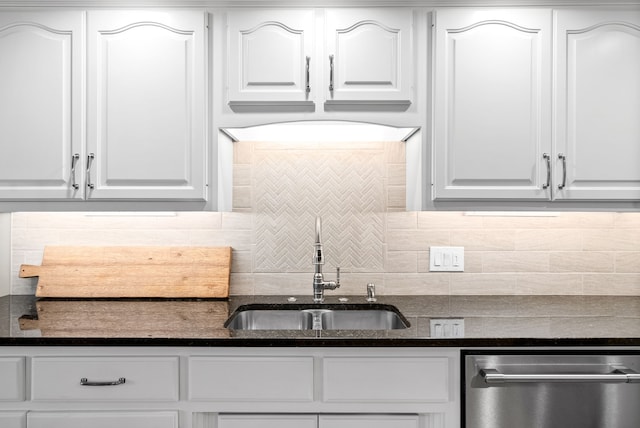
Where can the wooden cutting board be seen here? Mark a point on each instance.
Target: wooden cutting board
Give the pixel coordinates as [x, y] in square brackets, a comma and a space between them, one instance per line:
[97, 272]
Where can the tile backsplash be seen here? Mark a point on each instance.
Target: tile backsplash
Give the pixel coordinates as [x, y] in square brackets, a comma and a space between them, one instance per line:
[568, 253]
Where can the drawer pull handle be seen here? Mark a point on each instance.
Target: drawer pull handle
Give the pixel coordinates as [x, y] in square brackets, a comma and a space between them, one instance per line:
[85, 382]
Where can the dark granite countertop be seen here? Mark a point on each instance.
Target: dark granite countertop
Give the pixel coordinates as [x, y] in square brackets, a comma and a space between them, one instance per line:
[489, 321]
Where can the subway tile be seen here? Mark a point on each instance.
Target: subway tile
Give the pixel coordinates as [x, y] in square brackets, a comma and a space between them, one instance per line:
[627, 262]
[403, 283]
[416, 240]
[582, 220]
[242, 152]
[482, 283]
[582, 261]
[396, 174]
[241, 284]
[515, 261]
[237, 221]
[395, 152]
[548, 240]
[484, 240]
[401, 261]
[396, 197]
[549, 284]
[612, 240]
[448, 220]
[402, 220]
[627, 220]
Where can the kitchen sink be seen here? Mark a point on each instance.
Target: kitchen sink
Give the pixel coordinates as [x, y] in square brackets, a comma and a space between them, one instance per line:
[317, 317]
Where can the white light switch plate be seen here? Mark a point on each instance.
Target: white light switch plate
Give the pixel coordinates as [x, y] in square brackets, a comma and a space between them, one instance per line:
[446, 259]
[446, 327]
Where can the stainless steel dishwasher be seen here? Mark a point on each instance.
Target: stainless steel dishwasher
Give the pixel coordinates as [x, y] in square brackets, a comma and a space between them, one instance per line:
[551, 390]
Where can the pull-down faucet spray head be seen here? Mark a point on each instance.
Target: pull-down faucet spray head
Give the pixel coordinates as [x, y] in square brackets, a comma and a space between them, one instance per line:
[319, 284]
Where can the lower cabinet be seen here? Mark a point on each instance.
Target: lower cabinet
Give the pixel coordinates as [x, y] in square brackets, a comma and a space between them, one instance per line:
[229, 387]
[102, 420]
[317, 421]
[13, 420]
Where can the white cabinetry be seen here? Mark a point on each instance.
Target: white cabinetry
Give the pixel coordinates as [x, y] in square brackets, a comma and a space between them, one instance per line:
[104, 379]
[40, 106]
[205, 387]
[146, 105]
[267, 421]
[370, 53]
[145, 125]
[597, 104]
[284, 61]
[492, 125]
[317, 421]
[12, 372]
[13, 420]
[267, 58]
[102, 419]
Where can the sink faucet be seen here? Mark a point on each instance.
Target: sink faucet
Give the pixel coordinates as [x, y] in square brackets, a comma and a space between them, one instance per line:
[319, 284]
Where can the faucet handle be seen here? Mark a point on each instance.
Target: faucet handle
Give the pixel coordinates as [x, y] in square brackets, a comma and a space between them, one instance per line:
[337, 276]
[371, 292]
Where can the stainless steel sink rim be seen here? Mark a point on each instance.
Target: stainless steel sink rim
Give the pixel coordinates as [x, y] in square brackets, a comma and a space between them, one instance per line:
[317, 316]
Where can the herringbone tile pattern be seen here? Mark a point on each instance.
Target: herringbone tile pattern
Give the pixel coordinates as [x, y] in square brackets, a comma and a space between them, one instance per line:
[347, 187]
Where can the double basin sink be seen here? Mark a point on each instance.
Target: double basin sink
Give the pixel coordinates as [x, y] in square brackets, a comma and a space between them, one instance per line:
[319, 316]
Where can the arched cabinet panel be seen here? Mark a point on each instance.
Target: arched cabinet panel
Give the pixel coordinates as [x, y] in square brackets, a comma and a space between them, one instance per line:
[146, 105]
[598, 105]
[492, 98]
[40, 105]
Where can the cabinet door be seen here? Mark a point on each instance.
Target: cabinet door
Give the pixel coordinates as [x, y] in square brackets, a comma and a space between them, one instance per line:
[598, 105]
[102, 419]
[12, 372]
[368, 421]
[146, 101]
[40, 105]
[267, 421]
[369, 57]
[492, 103]
[267, 58]
[13, 420]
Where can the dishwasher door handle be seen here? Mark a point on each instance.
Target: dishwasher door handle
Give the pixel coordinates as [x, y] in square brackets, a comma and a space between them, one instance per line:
[618, 375]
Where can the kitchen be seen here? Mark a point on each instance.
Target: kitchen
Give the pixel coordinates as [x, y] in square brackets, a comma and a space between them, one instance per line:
[539, 267]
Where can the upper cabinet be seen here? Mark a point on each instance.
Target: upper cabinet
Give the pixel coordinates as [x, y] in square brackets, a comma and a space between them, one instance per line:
[41, 141]
[597, 112]
[369, 54]
[493, 115]
[269, 57]
[146, 105]
[143, 136]
[283, 60]
[492, 124]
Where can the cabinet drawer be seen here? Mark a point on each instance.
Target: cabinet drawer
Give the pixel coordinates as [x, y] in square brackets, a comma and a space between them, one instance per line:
[385, 379]
[267, 421]
[368, 421]
[12, 375]
[251, 378]
[145, 379]
[103, 419]
[13, 420]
